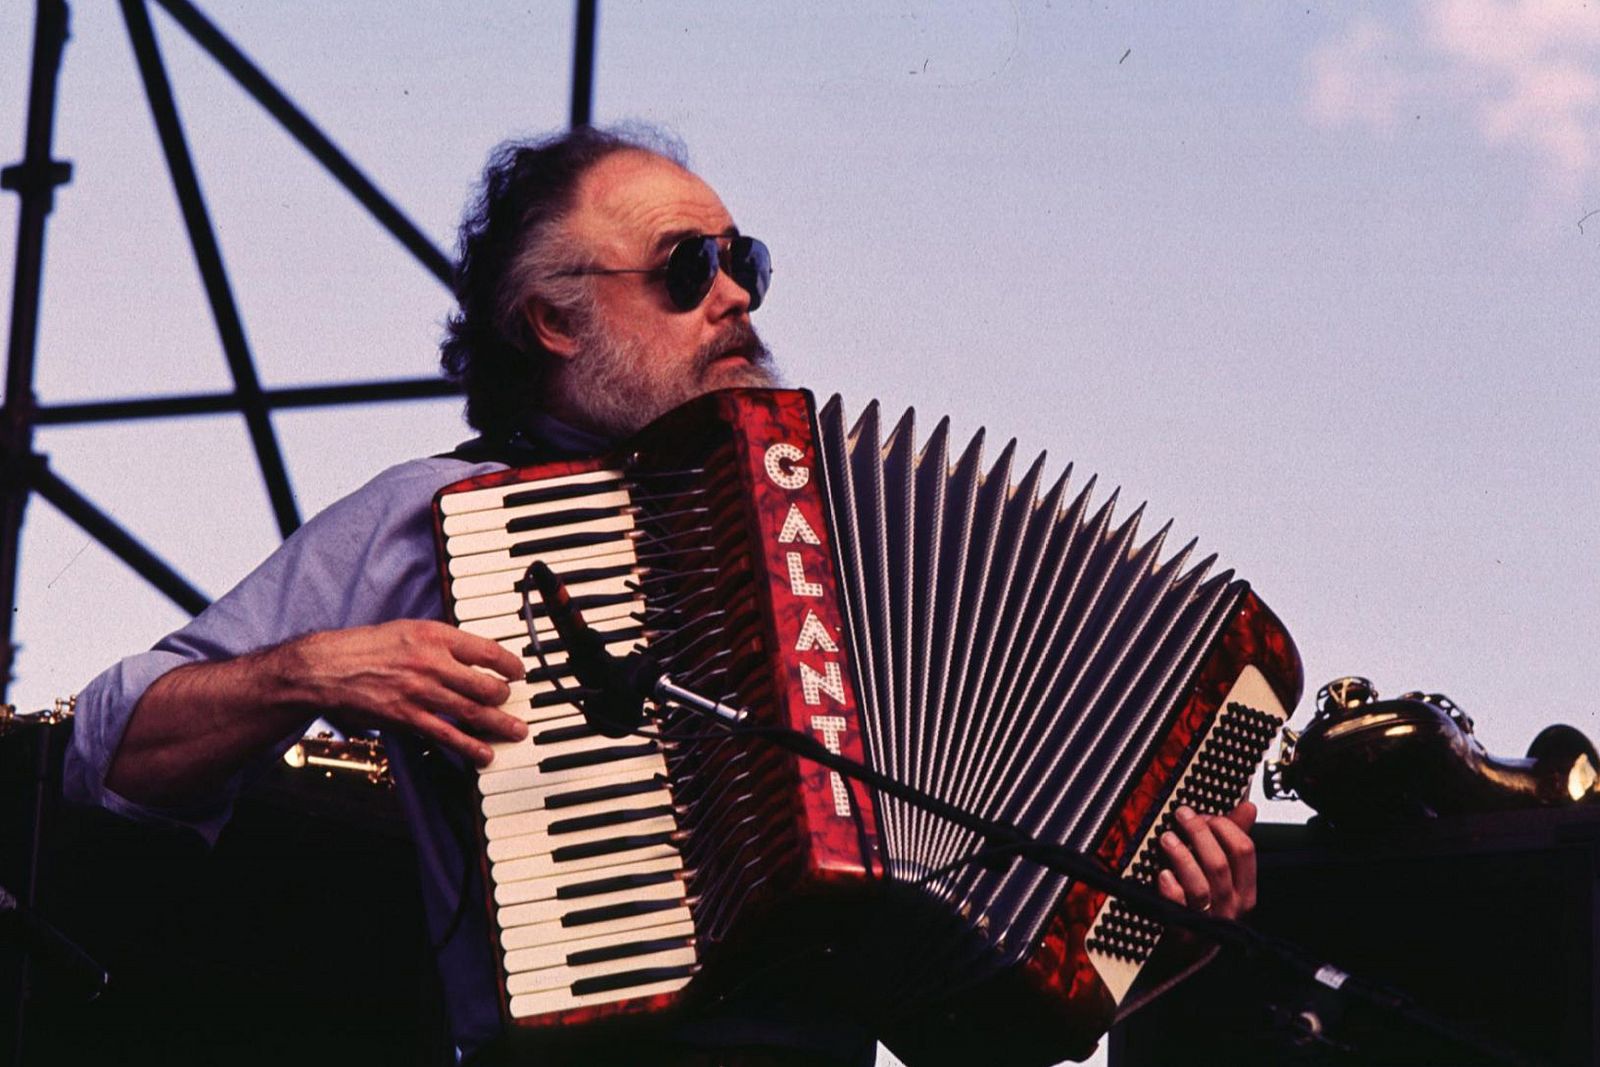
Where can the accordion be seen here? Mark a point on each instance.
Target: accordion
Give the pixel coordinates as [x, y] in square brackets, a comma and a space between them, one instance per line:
[987, 637]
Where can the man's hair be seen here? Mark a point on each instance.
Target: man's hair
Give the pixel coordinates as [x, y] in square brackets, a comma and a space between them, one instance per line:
[511, 248]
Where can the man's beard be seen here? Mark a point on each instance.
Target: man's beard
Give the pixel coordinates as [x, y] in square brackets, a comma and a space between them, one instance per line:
[617, 387]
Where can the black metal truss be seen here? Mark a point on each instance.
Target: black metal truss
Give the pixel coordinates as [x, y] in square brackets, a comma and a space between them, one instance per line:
[22, 470]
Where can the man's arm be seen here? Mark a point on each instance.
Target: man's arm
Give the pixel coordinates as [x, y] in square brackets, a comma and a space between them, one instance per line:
[198, 725]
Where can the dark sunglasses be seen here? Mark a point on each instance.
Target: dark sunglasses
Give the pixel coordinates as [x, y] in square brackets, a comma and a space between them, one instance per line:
[691, 269]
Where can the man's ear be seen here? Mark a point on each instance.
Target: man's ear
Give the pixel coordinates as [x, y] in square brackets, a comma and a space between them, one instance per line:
[554, 327]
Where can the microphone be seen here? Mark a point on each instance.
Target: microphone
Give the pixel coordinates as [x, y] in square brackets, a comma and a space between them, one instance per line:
[615, 707]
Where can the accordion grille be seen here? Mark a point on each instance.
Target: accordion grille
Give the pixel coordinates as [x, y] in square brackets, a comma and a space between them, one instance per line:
[1017, 653]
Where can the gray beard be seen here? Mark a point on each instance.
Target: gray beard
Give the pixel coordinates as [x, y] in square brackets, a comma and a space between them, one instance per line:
[617, 387]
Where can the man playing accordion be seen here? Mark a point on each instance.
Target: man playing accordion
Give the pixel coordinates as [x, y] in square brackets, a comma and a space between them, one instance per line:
[601, 284]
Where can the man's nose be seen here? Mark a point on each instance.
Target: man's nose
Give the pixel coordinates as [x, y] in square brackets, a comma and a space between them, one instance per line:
[727, 298]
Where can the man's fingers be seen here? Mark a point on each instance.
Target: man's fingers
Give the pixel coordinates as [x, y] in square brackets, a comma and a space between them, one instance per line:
[431, 727]
[453, 681]
[1185, 870]
[477, 712]
[1241, 858]
[1244, 816]
[478, 686]
[1210, 855]
[1167, 885]
[481, 652]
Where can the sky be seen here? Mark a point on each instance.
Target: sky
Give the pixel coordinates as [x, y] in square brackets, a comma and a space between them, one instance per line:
[1317, 281]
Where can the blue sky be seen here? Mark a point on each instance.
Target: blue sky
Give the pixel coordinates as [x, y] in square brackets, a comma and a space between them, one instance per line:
[1318, 281]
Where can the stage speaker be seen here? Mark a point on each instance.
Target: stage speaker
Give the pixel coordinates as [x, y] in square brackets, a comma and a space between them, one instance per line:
[1489, 922]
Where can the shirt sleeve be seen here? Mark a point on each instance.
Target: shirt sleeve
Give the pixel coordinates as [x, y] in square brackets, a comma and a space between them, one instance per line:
[368, 558]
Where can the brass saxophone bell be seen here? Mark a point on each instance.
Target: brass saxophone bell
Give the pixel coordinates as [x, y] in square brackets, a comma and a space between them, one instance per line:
[1369, 763]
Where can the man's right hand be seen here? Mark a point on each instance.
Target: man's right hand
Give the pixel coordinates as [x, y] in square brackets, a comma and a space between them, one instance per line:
[412, 675]
[197, 726]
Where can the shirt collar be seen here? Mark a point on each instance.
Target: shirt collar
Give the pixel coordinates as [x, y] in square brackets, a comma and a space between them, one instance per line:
[563, 437]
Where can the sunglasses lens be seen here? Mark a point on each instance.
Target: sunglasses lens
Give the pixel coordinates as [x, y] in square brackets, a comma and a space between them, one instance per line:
[691, 269]
[750, 264]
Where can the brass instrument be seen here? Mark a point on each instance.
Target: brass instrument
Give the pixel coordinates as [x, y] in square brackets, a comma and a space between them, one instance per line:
[61, 711]
[356, 756]
[1368, 763]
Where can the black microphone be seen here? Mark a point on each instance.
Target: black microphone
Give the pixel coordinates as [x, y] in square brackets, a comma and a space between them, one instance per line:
[615, 705]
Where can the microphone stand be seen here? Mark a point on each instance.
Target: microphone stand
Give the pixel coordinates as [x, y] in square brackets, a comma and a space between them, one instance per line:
[637, 677]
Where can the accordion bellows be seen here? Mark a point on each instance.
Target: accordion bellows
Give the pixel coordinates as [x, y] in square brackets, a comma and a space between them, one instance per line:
[996, 639]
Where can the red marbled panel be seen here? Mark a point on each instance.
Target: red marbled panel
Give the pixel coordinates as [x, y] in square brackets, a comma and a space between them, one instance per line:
[1059, 965]
[761, 419]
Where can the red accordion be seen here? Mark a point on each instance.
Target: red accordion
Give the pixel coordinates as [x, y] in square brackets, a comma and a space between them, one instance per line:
[988, 639]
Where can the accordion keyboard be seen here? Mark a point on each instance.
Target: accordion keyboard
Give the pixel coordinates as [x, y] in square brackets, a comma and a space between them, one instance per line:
[1121, 939]
[584, 869]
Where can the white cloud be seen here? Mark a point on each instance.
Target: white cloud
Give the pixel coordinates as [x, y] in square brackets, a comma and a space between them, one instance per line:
[1358, 78]
[1524, 72]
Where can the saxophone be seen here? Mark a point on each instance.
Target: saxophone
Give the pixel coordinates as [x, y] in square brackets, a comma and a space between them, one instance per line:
[1366, 763]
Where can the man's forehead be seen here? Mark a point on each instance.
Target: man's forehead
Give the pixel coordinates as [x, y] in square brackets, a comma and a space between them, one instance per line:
[642, 202]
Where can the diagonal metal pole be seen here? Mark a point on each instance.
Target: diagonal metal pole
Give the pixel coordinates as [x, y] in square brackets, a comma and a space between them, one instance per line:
[75, 506]
[208, 256]
[301, 128]
[35, 180]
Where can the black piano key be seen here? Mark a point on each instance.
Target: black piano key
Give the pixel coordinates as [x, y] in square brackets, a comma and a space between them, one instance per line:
[633, 948]
[564, 733]
[612, 912]
[606, 818]
[570, 517]
[615, 884]
[552, 645]
[595, 757]
[627, 979]
[572, 694]
[545, 494]
[588, 601]
[594, 793]
[548, 674]
[628, 843]
[579, 576]
[566, 541]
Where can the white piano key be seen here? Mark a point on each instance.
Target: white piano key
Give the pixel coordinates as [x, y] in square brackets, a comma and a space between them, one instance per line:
[500, 627]
[494, 496]
[541, 844]
[545, 862]
[508, 601]
[505, 581]
[555, 978]
[482, 607]
[492, 518]
[550, 907]
[544, 954]
[501, 559]
[495, 540]
[491, 781]
[541, 893]
[524, 753]
[532, 1004]
[508, 890]
[515, 835]
[538, 718]
[532, 797]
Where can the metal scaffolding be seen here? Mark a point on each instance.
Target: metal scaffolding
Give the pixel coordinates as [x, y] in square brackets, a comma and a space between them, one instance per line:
[23, 471]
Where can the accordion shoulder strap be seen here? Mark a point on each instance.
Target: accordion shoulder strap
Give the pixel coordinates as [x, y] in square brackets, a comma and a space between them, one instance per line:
[515, 451]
